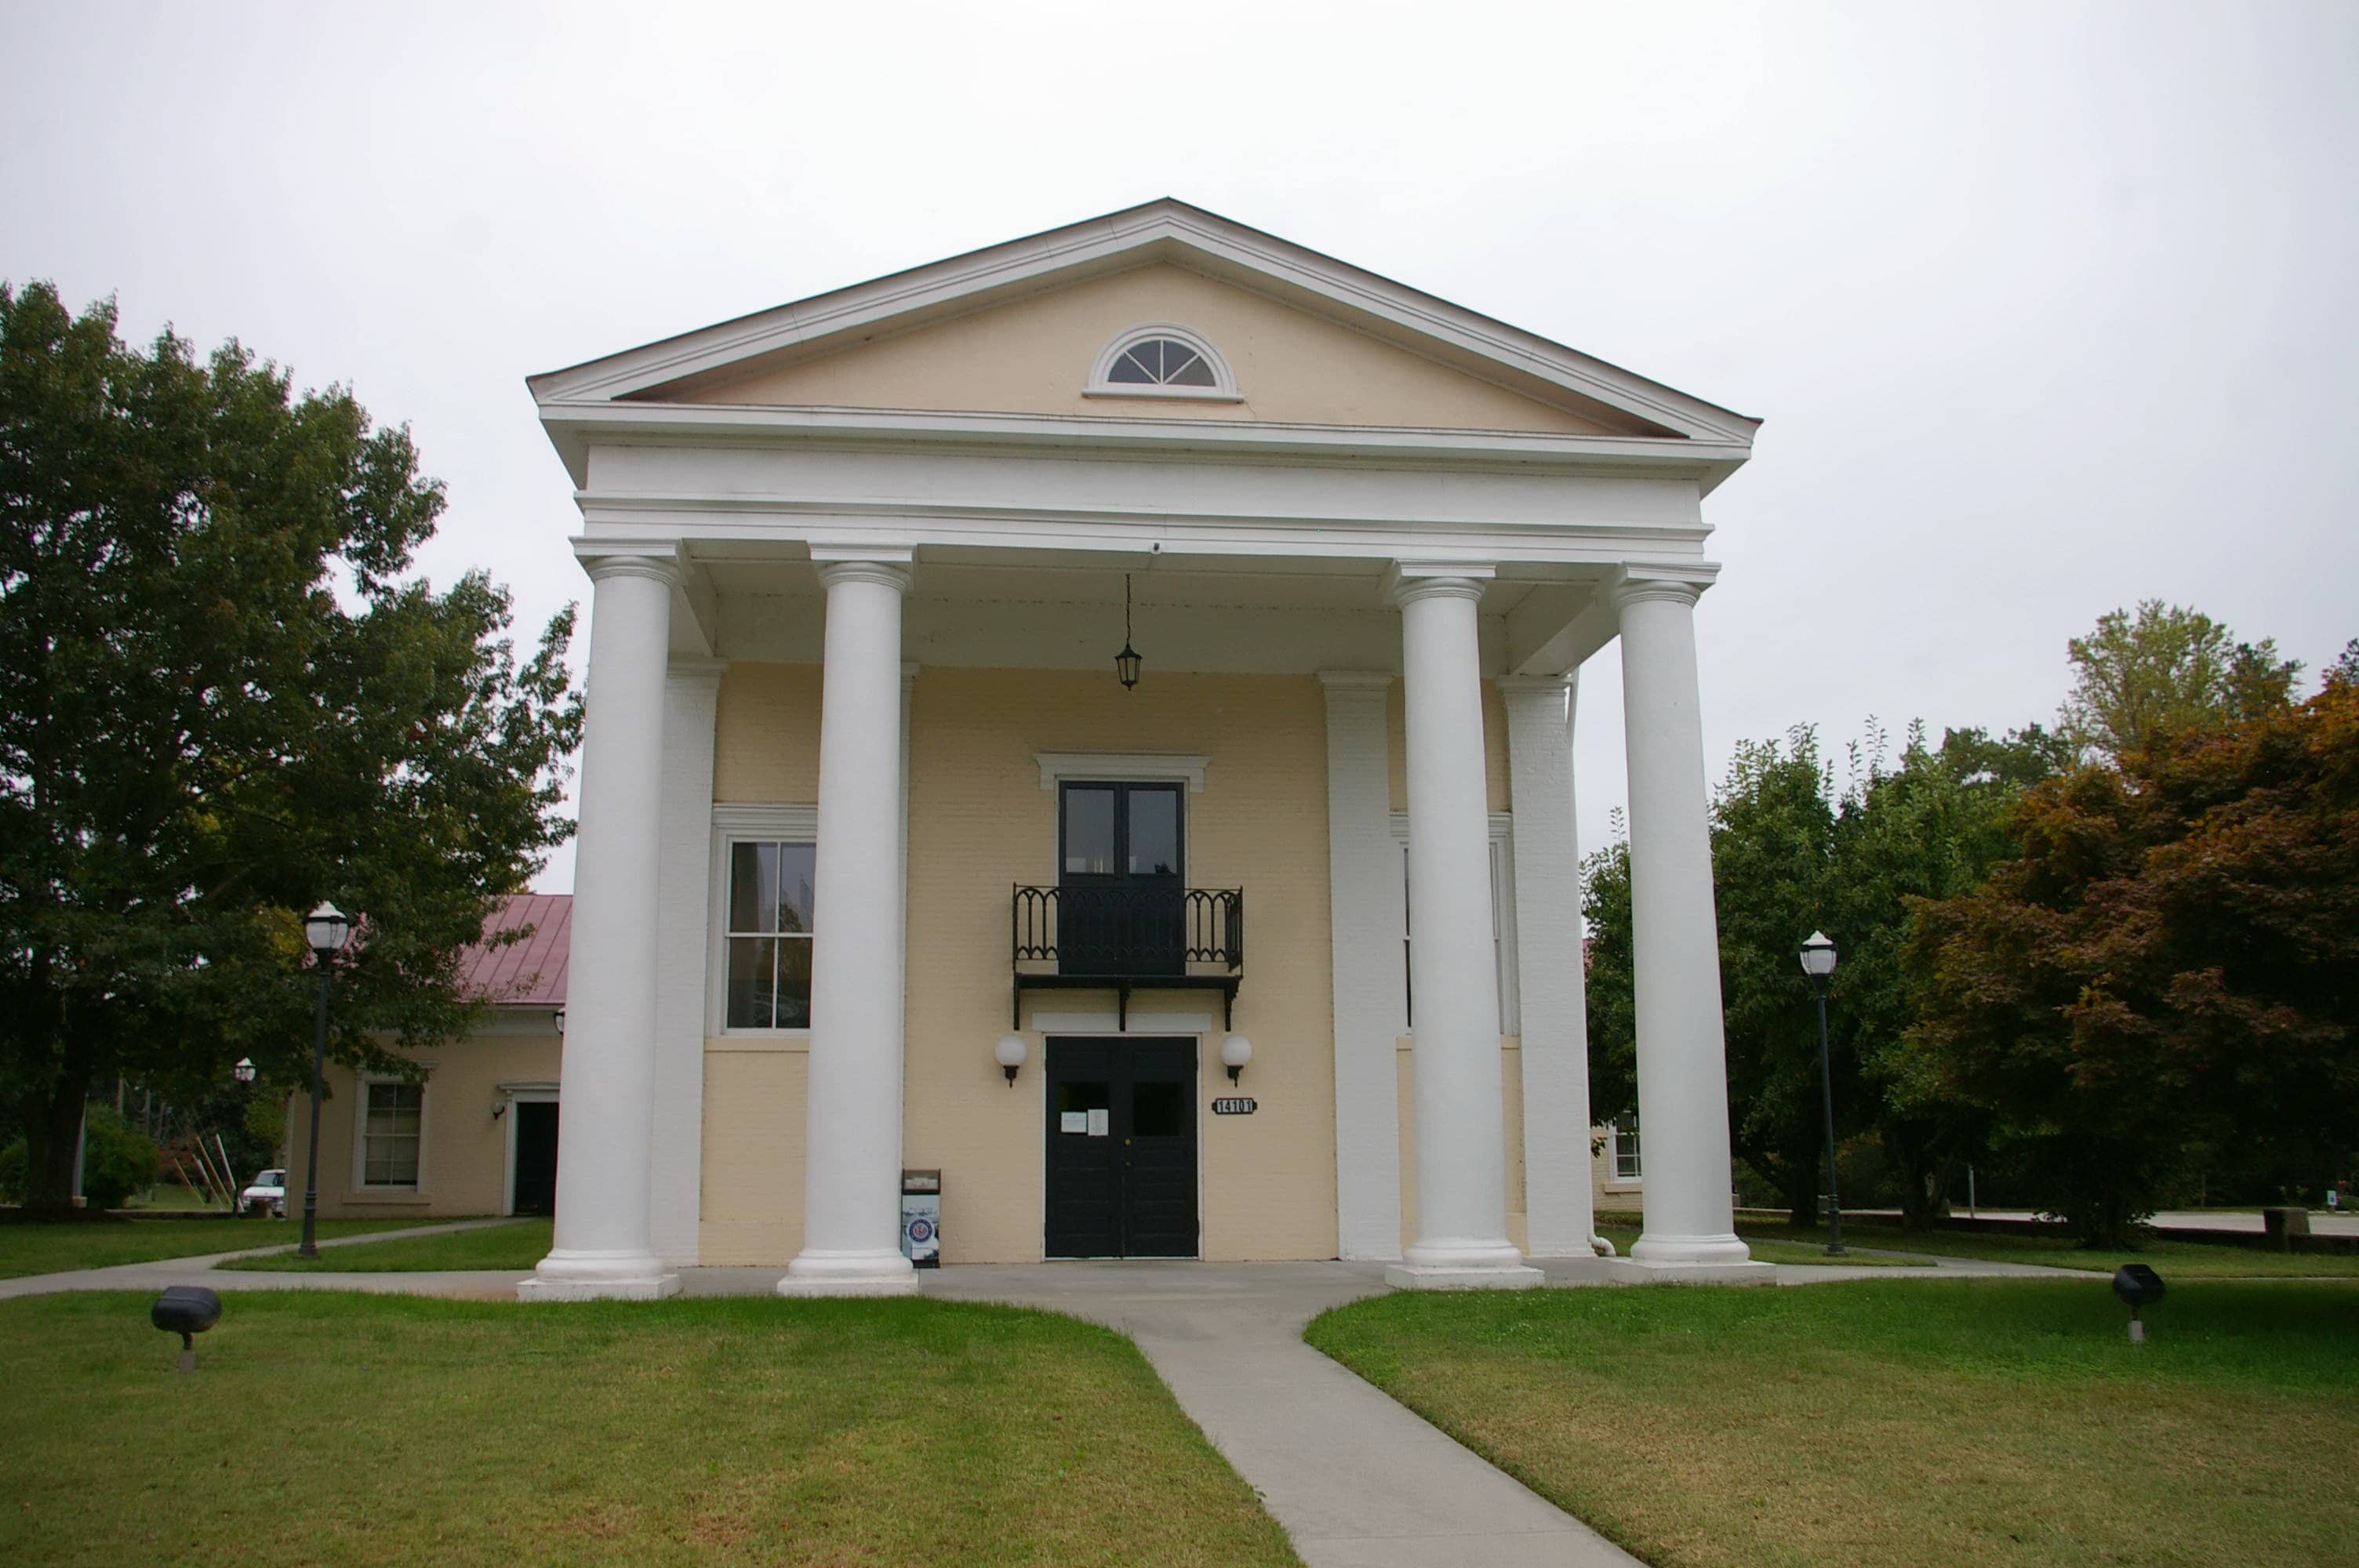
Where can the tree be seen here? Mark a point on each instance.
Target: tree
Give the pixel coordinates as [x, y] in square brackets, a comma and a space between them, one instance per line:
[224, 696]
[2136, 682]
[2171, 962]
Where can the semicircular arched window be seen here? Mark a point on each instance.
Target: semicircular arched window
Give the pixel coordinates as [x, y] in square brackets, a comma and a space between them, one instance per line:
[1161, 362]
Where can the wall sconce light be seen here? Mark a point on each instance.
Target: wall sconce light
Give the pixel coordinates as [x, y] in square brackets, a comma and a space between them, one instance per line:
[499, 1108]
[1009, 1053]
[1236, 1051]
[557, 1018]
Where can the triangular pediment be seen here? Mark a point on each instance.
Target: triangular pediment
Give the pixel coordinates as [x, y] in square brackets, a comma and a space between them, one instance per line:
[1017, 329]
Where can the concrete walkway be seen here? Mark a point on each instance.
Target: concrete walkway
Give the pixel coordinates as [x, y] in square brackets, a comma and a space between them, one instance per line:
[199, 1271]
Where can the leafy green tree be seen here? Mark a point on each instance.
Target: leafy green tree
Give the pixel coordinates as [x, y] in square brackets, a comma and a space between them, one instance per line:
[2139, 680]
[2172, 963]
[224, 696]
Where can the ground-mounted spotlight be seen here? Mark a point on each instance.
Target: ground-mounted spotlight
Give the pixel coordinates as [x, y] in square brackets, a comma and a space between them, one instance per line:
[187, 1311]
[2138, 1286]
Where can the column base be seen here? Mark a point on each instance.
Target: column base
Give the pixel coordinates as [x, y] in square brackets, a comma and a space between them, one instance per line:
[1639, 1272]
[1463, 1266]
[849, 1274]
[599, 1277]
[1445, 1277]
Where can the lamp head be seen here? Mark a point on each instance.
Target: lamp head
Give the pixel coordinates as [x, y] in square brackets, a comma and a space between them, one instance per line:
[1236, 1051]
[1818, 956]
[1010, 1053]
[327, 929]
[244, 1071]
[1126, 666]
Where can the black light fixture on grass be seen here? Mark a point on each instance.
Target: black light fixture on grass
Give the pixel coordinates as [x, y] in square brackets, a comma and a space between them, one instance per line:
[2138, 1286]
[326, 929]
[1819, 963]
[187, 1311]
[1126, 662]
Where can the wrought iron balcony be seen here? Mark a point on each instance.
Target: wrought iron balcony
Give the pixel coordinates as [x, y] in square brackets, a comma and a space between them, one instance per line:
[1126, 937]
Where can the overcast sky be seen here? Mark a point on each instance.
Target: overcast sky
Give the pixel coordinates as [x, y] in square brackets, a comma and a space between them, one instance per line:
[2049, 308]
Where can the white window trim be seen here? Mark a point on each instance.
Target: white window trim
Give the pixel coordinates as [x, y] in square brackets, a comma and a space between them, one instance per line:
[735, 823]
[1614, 1160]
[1224, 382]
[511, 1095]
[1502, 915]
[1122, 767]
[361, 1184]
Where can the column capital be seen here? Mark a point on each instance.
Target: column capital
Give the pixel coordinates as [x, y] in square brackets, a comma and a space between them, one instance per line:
[1539, 685]
[1642, 584]
[1406, 581]
[707, 671]
[656, 558]
[863, 563]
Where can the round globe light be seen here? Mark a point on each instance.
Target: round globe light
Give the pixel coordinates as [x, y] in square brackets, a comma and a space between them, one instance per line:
[327, 928]
[1010, 1053]
[1236, 1051]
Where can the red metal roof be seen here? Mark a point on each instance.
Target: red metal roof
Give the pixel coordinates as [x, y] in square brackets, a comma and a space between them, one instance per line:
[530, 972]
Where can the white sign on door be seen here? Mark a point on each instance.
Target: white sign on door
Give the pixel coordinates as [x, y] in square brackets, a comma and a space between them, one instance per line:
[1072, 1121]
[1098, 1122]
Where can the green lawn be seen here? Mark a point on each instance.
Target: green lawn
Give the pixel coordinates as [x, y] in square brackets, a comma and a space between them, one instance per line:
[519, 1245]
[1765, 1250]
[2173, 1260]
[348, 1429]
[51, 1248]
[1932, 1423]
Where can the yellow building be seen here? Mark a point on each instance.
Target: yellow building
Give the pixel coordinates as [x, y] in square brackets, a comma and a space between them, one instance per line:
[1091, 718]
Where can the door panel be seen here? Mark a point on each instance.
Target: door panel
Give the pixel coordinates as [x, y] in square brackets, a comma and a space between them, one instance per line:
[536, 1157]
[1122, 1149]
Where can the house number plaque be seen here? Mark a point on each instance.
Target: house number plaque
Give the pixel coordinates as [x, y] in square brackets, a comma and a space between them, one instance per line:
[1232, 1107]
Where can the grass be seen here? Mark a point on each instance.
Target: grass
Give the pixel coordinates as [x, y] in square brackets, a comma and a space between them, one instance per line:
[48, 1248]
[349, 1429]
[1764, 1251]
[1935, 1423]
[2173, 1260]
[516, 1245]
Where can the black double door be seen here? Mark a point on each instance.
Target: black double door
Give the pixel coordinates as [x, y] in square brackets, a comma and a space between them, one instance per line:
[536, 1158]
[1122, 1147]
[1121, 900]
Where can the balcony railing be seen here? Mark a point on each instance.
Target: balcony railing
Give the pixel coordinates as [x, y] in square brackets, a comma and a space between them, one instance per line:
[1128, 937]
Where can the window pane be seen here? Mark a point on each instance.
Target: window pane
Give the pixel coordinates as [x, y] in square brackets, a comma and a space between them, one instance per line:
[752, 962]
[1082, 1095]
[1130, 367]
[794, 982]
[796, 864]
[1191, 372]
[1089, 831]
[753, 887]
[1155, 832]
[1158, 1111]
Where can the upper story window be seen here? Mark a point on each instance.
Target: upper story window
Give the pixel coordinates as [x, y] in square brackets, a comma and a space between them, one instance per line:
[1161, 361]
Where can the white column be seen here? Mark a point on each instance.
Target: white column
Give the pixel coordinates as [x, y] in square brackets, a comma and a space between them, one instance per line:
[1559, 1207]
[684, 950]
[1462, 1209]
[851, 1185]
[1364, 924]
[1682, 1059]
[603, 1247]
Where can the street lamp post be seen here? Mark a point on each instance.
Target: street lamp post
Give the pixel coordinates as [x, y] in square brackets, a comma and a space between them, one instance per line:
[326, 929]
[1819, 962]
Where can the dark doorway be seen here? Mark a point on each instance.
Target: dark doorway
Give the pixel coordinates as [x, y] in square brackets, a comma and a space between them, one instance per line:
[1122, 1149]
[536, 1157]
[1121, 897]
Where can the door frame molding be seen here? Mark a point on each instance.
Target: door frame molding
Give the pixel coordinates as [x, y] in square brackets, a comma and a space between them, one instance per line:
[512, 1095]
[1196, 1122]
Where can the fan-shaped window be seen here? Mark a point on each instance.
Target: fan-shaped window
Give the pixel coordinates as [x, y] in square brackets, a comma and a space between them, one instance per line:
[1159, 361]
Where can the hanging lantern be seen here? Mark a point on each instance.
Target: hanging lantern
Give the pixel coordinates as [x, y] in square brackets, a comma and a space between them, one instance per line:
[1126, 662]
